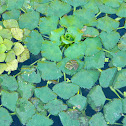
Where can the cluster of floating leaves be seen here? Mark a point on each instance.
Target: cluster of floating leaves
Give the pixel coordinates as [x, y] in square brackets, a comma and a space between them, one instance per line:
[72, 41]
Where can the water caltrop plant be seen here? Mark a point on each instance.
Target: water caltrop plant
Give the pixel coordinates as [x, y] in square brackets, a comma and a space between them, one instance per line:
[63, 62]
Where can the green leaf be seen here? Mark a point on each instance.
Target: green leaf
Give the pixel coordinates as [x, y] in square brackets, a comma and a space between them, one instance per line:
[75, 51]
[9, 82]
[9, 99]
[112, 111]
[85, 78]
[5, 118]
[49, 70]
[14, 4]
[92, 45]
[56, 34]
[124, 121]
[10, 56]
[30, 75]
[107, 24]
[120, 79]
[13, 14]
[25, 89]
[58, 8]
[10, 23]
[47, 24]
[96, 98]
[55, 106]
[75, 68]
[39, 120]
[85, 17]
[29, 20]
[76, 3]
[34, 42]
[1, 40]
[90, 32]
[100, 120]
[114, 3]
[53, 54]
[3, 8]
[67, 120]
[24, 110]
[109, 40]
[65, 90]
[107, 76]
[119, 59]
[122, 10]
[6, 34]
[122, 43]
[45, 94]
[96, 61]
[78, 101]
[68, 21]
[17, 33]
[124, 105]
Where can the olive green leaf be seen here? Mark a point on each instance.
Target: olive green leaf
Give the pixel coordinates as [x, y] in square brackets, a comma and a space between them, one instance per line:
[107, 77]
[65, 90]
[100, 120]
[92, 45]
[25, 89]
[78, 101]
[53, 54]
[30, 75]
[10, 23]
[9, 82]
[34, 42]
[109, 40]
[39, 120]
[49, 70]
[107, 24]
[5, 118]
[96, 98]
[13, 14]
[10, 55]
[45, 94]
[95, 62]
[17, 33]
[76, 3]
[120, 79]
[47, 24]
[24, 110]
[85, 78]
[18, 48]
[2, 48]
[55, 106]
[25, 55]
[9, 99]
[2, 67]
[122, 43]
[29, 20]
[6, 34]
[12, 65]
[8, 43]
[58, 8]
[112, 111]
